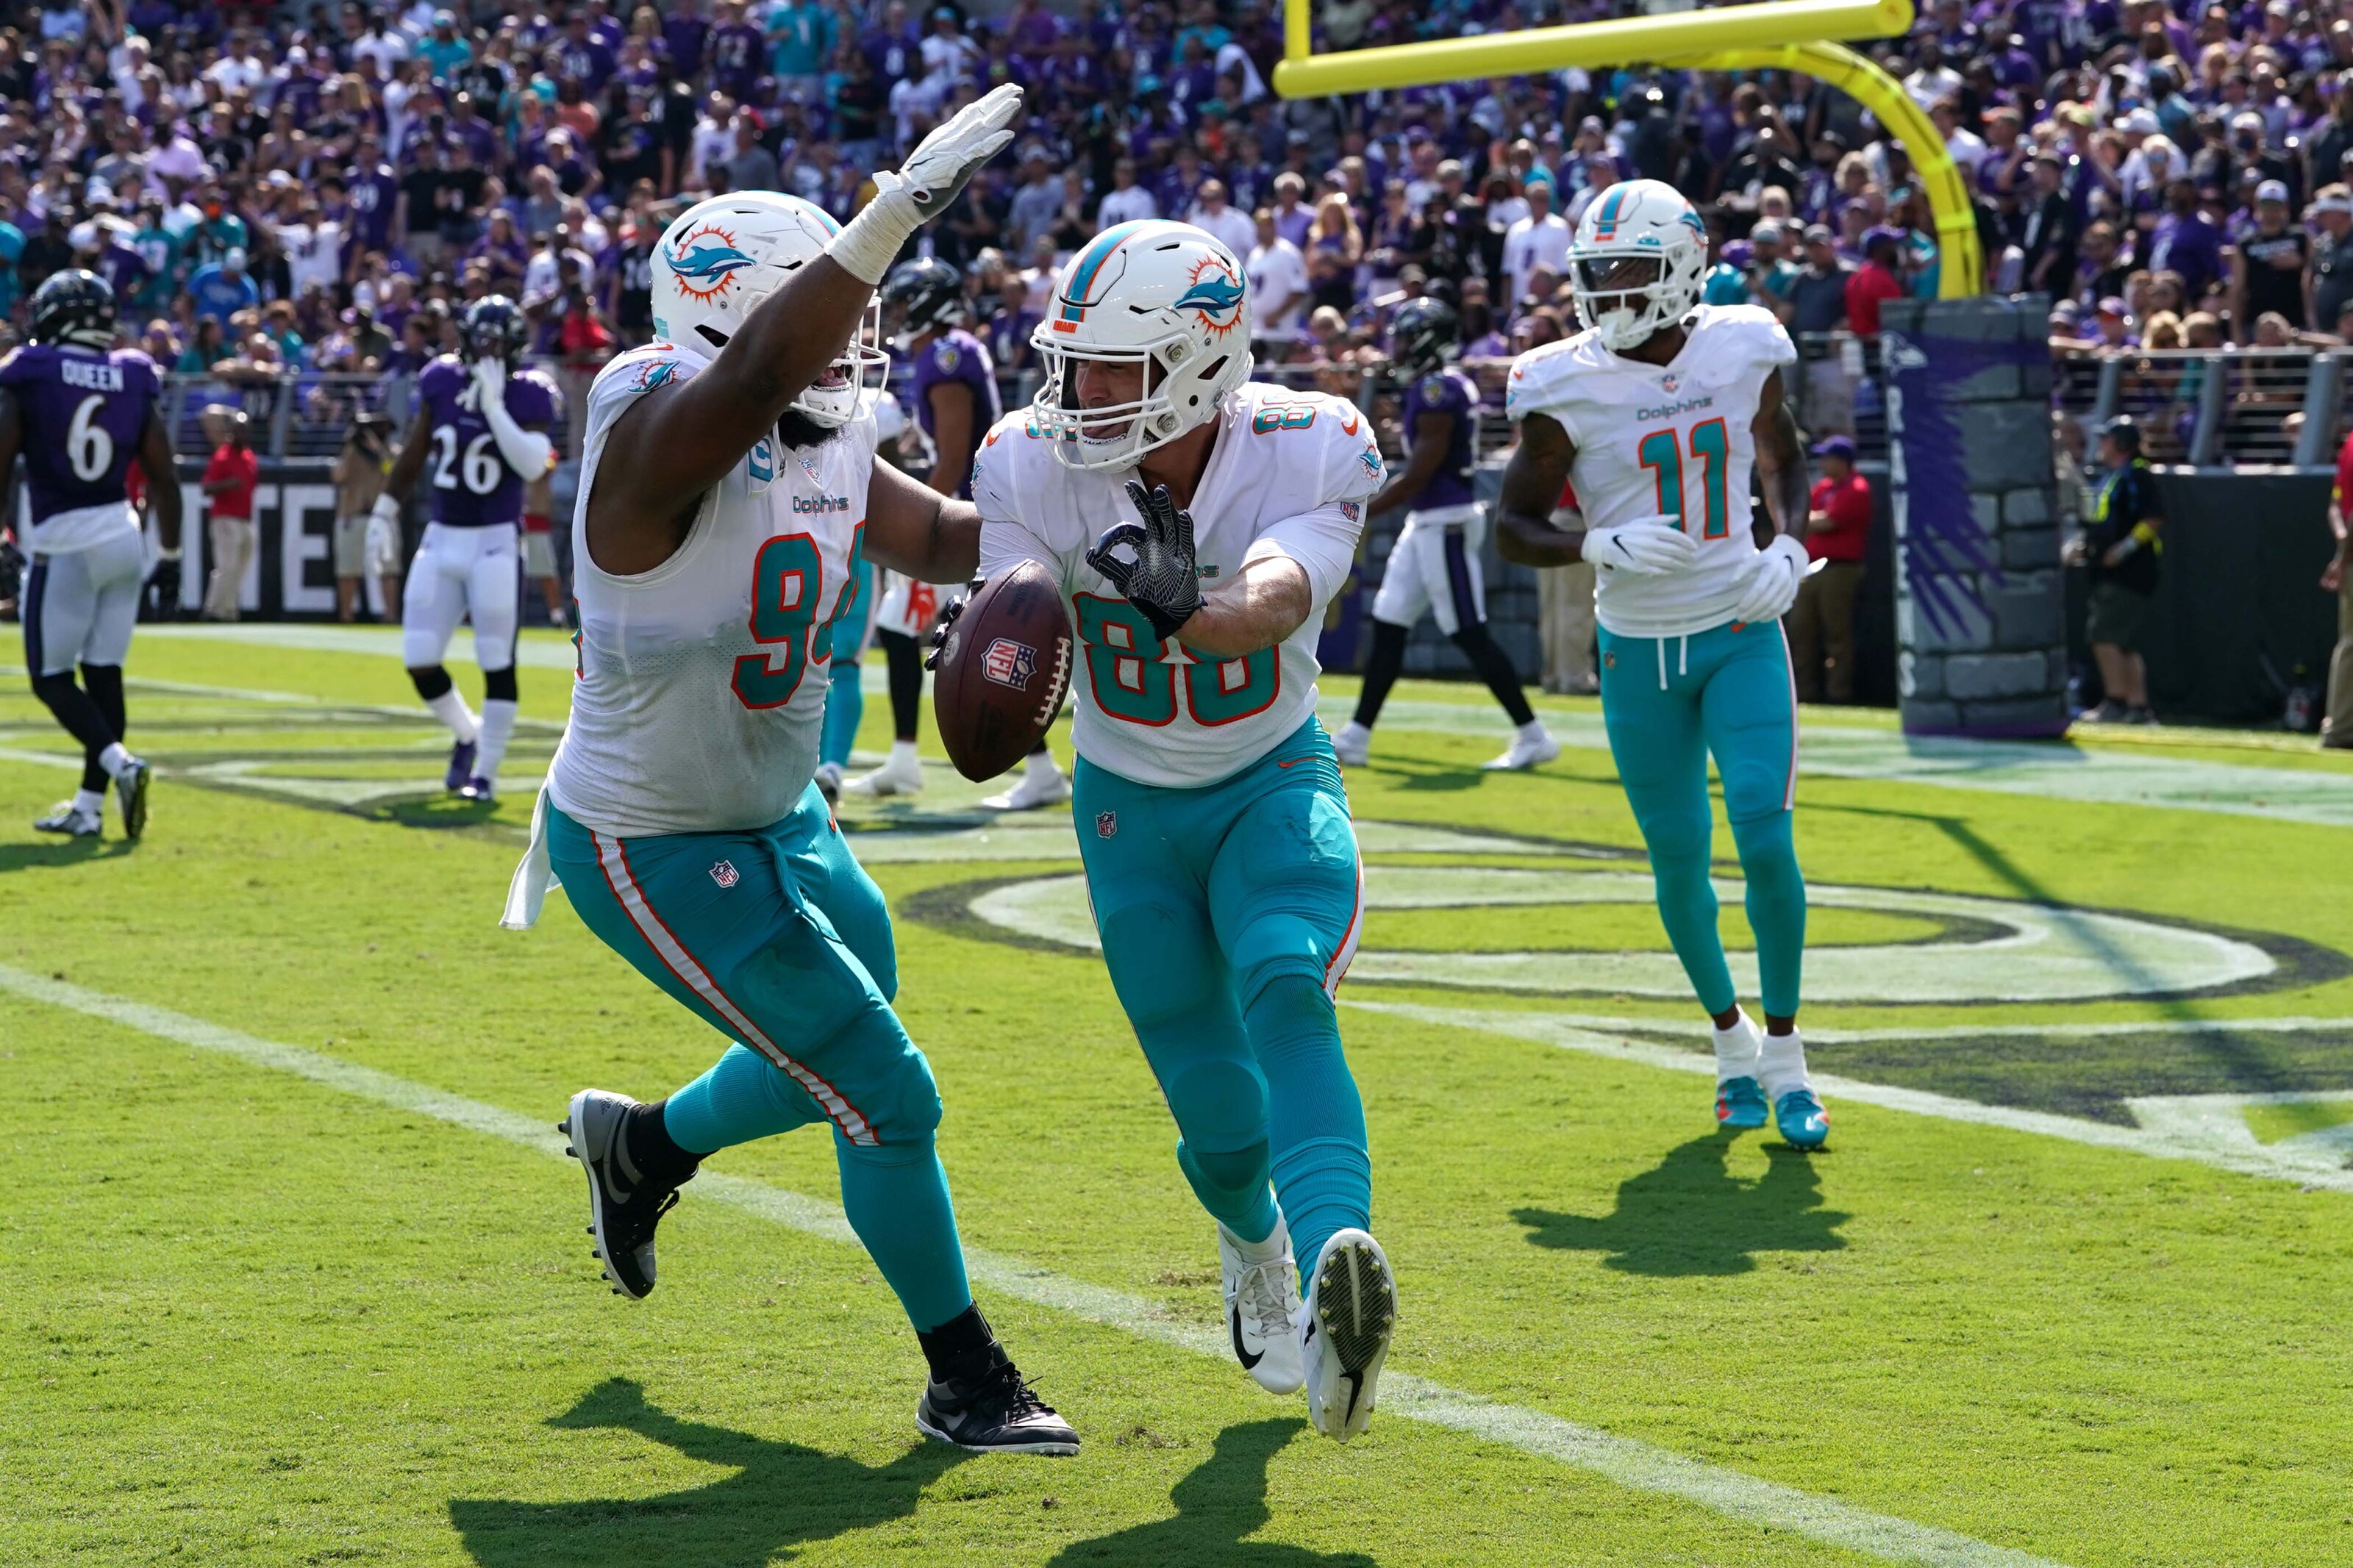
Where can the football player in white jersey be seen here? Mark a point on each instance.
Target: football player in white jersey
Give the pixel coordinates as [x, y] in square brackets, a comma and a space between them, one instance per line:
[1198, 524]
[1659, 410]
[728, 493]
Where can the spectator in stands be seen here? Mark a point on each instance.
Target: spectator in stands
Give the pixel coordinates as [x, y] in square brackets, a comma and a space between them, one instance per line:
[2120, 546]
[1821, 624]
[1874, 283]
[1279, 293]
[1212, 212]
[1335, 249]
[1816, 299]
[1126, 200]
[1539, 239]
[2269, 266]
[221, 289]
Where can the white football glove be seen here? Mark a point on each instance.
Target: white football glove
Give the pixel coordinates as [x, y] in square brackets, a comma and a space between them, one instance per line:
[490, 383]
[1646, 547]
[384, 531]
[924, 186]
[1773, 579]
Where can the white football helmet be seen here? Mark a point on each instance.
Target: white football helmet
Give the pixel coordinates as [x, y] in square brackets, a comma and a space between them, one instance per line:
[1638, 262]
[723, 257]
[1166, 297]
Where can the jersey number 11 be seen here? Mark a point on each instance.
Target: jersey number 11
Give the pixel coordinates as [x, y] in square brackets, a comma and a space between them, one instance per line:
[1711, 447]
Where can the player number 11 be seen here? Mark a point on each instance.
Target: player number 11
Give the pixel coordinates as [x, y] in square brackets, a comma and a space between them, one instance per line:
[1711, 447]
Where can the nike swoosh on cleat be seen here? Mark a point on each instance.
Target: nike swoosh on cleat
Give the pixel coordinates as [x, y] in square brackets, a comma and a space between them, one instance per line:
[1234, 1326]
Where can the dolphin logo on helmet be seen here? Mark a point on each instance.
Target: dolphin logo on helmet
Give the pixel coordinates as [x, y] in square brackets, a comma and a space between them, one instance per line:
[706, 269]
[1217, 294]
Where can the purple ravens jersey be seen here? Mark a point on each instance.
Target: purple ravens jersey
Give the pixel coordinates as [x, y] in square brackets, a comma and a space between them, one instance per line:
[473, 485]
[85, 412]
[955, 355]
[1445, 392]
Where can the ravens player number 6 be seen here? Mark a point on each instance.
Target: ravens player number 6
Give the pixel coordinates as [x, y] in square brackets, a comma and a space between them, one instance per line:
[81, 411]
[480, 435]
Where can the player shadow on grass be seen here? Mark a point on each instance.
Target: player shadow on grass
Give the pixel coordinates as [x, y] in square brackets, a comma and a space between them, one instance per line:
[61, 852]
[781, 1496]
[1220, 1502]
[1692, 1216]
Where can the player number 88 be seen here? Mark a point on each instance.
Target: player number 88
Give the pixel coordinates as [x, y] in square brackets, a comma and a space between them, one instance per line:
[1129, 671]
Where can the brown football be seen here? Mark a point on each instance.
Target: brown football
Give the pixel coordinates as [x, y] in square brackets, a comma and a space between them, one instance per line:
[1003, 672]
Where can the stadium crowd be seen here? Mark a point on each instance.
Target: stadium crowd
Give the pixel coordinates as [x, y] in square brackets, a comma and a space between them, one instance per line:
[317, 188]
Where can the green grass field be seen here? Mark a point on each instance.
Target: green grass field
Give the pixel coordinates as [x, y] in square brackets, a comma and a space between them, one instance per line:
[295, 1271]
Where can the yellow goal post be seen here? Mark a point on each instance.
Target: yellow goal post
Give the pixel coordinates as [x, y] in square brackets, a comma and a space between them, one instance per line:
[1781, 35]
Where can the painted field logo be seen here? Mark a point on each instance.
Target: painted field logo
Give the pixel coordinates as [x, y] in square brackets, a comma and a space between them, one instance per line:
[725, 874]
[1010, 663]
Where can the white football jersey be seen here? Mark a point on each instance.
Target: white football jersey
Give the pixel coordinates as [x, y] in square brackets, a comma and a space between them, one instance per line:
[1675, 438]
[1288, 475]
[701, 684]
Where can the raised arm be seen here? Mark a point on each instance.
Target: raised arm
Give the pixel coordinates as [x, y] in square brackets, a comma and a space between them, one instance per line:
[679, 440]
[1780, 464]
[914, 530]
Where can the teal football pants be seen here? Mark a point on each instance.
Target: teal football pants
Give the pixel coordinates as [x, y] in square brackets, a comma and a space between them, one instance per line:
[1668, 703]
[778, 939]
[1227, 914]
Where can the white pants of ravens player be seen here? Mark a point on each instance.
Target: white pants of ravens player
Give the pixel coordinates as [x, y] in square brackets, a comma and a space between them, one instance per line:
[458, 571]
[1434, 567]
[79, 607]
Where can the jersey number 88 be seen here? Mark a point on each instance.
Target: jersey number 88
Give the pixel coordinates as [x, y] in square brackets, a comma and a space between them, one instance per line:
[1133, 679]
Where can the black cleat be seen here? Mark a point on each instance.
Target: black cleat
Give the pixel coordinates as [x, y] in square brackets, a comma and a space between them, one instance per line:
[130, 789]
[624, 1205]
[995, 1413]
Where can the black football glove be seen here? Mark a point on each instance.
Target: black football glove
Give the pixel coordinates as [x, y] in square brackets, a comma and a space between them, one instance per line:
[948, 615]
[165, 582]
[1163, 580]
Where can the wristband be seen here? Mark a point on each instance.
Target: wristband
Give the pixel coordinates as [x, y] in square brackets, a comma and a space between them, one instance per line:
[869, 242]
[2144, 534]
[163, 554]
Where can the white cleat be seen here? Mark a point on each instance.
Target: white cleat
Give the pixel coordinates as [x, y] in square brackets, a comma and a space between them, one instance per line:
[828, 779]
[903, 775]
[1352, 746]
[1039, 786]
[1530, 747]
[1263, 1310]
[63, 818]
[1345, 1332]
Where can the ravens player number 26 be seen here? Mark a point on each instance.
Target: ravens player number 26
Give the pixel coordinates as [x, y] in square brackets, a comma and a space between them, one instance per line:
[81, 411]
[480, 435]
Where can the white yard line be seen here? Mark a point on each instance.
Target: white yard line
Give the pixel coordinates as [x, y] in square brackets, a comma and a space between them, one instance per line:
[1631, 1463]
[2309, 1164]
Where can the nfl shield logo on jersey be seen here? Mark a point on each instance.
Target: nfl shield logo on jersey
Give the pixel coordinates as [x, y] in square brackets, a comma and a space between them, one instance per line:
[1010, 663]
[725, 874]
[1106, 824]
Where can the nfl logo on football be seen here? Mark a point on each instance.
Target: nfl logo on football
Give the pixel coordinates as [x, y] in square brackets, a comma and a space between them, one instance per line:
[1010, 663]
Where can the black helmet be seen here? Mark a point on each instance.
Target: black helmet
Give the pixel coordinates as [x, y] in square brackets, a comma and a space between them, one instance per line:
[493, 327]
[1424, 334]
[74, 307]
[2125, 431]
[922, 296]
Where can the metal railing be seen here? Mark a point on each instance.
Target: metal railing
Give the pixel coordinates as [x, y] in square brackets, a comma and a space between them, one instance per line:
[2212, 407]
